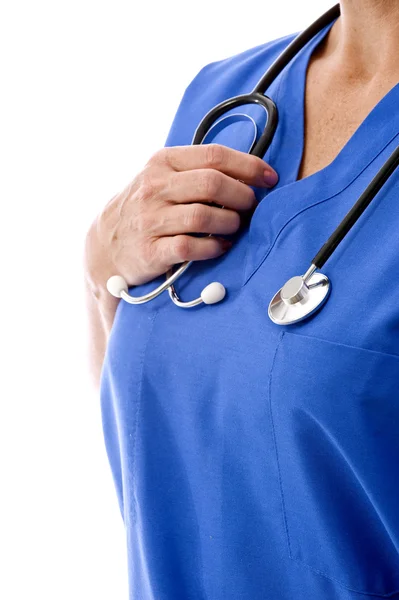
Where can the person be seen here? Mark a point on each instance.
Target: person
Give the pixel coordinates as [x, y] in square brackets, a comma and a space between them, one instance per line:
[254, 461]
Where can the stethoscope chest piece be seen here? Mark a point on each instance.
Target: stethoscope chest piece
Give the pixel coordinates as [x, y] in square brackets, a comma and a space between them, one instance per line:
[303, 295]
[299, 298]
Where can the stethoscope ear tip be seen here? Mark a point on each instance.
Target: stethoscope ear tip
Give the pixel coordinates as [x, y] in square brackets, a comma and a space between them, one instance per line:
[213, 293]
[116, 285]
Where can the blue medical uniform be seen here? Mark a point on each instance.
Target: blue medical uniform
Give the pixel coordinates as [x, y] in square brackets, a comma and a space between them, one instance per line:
[253, 461]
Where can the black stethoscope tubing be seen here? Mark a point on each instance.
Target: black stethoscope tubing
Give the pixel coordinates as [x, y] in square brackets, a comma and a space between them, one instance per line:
[302, 295]
[261, 146]
[257, 95]
[357, 209]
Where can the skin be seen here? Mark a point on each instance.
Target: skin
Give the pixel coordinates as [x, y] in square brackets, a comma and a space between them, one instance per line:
[349, 73]
[144, 230]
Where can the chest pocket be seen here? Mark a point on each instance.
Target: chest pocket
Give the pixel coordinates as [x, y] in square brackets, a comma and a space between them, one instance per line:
[335, 412]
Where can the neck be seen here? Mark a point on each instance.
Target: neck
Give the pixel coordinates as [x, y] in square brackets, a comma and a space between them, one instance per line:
[365, 40]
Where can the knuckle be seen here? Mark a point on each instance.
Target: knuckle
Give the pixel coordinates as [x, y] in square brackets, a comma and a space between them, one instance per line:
[236, 221]
[251, 198]
[197, 218]
[147, 189]
[254, 170]
[181, 247]
[215, 155]
[211, 184]
[148, 252]
[143, 222]
[159, 156]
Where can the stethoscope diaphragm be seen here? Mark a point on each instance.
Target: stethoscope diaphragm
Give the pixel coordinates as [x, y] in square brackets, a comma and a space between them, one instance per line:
[299, 298]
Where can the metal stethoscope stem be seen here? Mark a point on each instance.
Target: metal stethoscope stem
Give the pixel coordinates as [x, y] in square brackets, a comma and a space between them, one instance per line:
[215, 292]
[302, 295]
[117, 286]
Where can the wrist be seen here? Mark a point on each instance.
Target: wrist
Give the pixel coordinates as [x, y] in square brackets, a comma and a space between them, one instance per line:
[98, 267]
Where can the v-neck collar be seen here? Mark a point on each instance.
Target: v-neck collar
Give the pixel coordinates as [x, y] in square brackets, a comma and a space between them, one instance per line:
[291, 131]
[291, 197]
[289, 137]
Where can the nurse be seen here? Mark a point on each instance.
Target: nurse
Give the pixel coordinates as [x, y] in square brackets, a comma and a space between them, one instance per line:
[253, 461]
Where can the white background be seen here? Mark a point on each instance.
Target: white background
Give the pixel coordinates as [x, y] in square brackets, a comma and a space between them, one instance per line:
[88, 90]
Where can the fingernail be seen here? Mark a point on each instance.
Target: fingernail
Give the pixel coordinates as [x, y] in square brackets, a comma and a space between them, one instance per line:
[270, 177]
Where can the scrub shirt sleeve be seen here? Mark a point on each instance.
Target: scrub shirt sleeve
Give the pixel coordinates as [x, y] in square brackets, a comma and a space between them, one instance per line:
[214, 83]
[218, 81]
[181, 131]
[202, 94]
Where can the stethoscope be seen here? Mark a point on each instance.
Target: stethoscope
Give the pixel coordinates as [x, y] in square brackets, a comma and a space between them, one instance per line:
[301, 295]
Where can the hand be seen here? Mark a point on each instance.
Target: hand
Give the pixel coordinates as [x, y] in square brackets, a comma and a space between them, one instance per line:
[143, 231]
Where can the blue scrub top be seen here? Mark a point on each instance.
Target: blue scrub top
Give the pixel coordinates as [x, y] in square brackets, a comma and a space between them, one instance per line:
[252, 461]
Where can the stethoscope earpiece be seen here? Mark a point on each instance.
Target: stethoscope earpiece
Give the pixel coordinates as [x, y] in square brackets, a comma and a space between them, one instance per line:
[116, 285]
[301, 296]
[213, 293]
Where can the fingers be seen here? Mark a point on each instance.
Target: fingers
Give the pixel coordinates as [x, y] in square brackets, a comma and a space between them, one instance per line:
[195, 218]
[239, 165]
[208, 185]
[179, 248]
